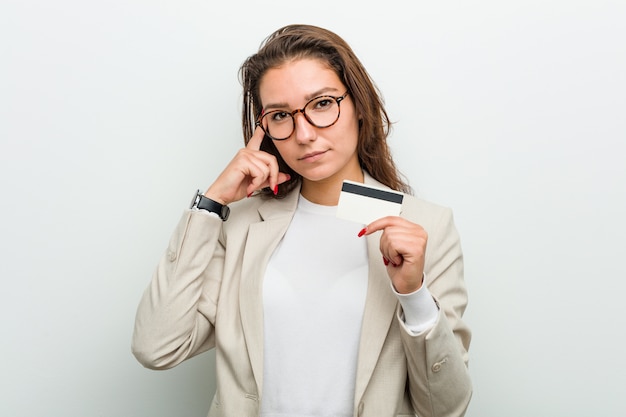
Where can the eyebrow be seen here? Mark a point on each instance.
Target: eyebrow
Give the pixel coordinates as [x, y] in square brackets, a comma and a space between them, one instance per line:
[321, 92]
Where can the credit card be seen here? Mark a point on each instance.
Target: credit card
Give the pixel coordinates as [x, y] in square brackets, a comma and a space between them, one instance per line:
[364, 203]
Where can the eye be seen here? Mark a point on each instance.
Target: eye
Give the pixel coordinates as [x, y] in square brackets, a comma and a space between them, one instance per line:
[278, 116]
[322, 103]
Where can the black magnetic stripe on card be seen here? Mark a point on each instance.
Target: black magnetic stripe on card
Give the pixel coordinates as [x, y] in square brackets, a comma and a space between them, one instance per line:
[372, 192]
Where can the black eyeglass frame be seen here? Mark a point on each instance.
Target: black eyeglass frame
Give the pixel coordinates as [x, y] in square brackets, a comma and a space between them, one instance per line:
[338, 100]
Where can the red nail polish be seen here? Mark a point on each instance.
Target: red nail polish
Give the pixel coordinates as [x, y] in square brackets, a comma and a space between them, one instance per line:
[249, 195]
[385, 261]
[276, 189]
[362, 232]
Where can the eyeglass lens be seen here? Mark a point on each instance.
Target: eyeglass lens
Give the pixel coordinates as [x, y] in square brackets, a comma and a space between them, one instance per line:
[320, 112]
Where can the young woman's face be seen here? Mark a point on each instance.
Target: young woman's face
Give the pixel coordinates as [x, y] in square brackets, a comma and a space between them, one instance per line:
[317, 154]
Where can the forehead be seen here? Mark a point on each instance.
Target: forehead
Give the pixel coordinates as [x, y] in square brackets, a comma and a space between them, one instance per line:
[298, 80]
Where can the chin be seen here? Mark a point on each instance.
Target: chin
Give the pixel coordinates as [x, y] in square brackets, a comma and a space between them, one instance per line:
[316, 174]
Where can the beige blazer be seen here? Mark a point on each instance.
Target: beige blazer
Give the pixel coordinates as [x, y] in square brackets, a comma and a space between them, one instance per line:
[207, 293]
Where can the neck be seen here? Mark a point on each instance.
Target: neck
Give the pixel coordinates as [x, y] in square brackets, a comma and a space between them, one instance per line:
[326, 192]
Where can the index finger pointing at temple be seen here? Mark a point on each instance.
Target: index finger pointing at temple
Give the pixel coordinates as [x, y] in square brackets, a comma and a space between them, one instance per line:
[255, 141]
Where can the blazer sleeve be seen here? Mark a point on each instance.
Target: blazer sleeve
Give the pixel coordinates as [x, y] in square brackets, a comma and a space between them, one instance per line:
[437, 359]
[169, 326]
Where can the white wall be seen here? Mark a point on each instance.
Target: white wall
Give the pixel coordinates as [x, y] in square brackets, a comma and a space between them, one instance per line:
[511, 112]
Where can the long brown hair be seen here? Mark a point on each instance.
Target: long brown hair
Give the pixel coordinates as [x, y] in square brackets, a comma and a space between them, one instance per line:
[306, 41]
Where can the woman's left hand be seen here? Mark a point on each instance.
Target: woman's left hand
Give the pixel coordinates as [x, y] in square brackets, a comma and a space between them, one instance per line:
[403, 248]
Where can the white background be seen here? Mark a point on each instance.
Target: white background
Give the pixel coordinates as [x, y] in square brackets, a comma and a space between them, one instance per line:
[510, 112]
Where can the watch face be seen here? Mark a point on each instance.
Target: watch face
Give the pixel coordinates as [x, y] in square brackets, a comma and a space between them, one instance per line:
[194, 200]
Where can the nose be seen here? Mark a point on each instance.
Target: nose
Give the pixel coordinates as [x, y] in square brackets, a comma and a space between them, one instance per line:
[304, 131]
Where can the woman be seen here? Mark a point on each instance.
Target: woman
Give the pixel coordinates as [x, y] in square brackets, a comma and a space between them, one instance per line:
[310, 314]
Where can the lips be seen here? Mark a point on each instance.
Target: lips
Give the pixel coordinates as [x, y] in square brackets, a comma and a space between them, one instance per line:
[312, 156]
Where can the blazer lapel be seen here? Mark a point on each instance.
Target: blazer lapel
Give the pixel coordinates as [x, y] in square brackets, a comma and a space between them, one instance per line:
[380, 308]
[263, 237]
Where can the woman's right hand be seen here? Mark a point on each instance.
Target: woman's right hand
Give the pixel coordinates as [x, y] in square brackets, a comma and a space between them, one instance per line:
[250, 170]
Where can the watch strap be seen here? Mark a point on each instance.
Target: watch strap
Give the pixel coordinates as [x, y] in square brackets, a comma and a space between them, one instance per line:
[204, 203]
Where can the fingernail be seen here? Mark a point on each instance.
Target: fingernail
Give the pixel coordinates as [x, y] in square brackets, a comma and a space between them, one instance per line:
[362, 232]
[385, 261]
[276, 189]
[249, 195]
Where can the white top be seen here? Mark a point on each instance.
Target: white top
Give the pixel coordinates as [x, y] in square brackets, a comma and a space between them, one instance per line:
[314, 295]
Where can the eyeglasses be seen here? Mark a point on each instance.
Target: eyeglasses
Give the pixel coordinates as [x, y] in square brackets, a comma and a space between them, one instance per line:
[322, 111]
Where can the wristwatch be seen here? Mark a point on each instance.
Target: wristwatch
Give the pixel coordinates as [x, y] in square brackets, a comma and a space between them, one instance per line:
[204, 203]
